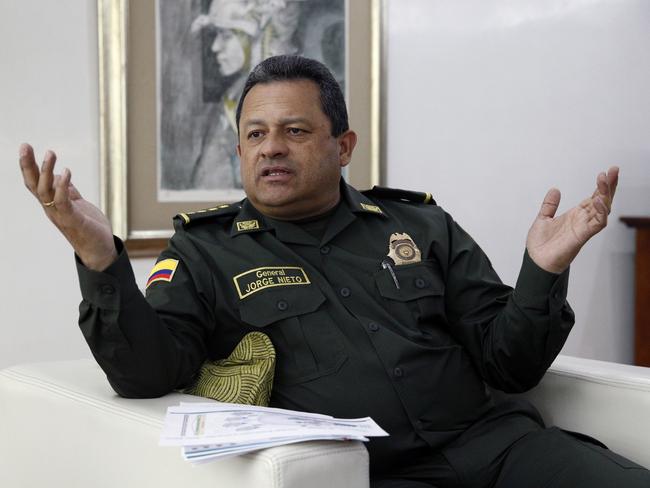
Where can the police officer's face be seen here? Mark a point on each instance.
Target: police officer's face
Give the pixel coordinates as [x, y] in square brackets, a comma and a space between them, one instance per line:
[290, 162]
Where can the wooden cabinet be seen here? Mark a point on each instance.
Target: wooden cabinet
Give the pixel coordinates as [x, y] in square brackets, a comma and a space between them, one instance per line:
[642, 281]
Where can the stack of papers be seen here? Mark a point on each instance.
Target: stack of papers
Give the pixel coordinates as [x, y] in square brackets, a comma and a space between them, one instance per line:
[208, 431]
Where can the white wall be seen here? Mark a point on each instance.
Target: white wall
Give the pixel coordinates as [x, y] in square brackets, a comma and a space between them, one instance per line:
[492, 103]
[501, 127]
[48, 97]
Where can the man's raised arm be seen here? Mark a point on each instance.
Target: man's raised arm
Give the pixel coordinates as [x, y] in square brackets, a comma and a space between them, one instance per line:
[514, 335]
[145, 349]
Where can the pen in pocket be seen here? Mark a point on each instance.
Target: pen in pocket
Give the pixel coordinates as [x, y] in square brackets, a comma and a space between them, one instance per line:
[387, 264]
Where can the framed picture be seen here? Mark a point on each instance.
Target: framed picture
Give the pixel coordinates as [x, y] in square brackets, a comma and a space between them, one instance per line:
[171, 72]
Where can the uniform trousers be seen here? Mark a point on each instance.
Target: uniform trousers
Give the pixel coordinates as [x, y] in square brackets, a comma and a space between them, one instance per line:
[544, 458]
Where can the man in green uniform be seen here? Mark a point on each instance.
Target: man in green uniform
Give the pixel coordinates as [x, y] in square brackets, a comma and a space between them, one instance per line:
[377, 303]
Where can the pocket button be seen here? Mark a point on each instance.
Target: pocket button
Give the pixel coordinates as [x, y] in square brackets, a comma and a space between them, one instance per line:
[420, 283]
[282, 305]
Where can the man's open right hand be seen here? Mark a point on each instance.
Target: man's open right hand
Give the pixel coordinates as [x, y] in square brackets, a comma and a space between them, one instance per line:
[81, 223]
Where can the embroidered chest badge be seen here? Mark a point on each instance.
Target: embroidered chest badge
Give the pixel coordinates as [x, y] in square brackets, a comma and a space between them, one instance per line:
[162, 271]
[402, 249]
[258, 279]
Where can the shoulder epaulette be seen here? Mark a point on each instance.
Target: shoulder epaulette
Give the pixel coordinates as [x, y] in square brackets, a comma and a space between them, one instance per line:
[403, 195]
[207, 213]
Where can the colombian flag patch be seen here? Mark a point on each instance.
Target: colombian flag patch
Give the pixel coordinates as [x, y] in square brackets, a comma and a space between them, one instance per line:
[163, 271]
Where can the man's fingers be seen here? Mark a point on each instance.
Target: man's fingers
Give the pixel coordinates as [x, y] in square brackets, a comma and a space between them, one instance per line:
[62, 192]
[73, 192]
[612, 181]
[606, 186]
[600, 205]
[602, 210]
[45, 188]
[28, 167]
[48, 188]
[602, 189]
[551, 203]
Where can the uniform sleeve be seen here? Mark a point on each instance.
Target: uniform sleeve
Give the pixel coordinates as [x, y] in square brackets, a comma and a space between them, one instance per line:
[146, 346]
[513, 336]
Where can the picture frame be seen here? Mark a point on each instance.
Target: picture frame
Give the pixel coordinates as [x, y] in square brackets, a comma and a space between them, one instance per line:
[128, 116]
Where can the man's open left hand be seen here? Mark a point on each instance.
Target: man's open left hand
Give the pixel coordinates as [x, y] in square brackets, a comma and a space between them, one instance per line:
[553, 242]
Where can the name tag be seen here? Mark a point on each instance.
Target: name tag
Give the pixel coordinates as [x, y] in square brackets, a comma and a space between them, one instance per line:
[258, 279]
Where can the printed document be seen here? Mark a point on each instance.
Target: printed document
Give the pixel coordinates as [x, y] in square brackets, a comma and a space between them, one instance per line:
[213, 430]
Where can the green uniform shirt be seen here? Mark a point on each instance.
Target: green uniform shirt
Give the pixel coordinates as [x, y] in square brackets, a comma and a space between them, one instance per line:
[410, 345]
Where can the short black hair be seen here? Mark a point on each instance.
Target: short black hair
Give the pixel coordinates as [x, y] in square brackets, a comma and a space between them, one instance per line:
[291, 67]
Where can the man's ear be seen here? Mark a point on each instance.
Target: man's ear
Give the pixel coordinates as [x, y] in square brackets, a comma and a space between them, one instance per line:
[346, 141]
[238, 150]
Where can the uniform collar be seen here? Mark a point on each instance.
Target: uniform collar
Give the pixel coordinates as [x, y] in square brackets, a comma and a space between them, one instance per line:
[358, 202]
[250, 220]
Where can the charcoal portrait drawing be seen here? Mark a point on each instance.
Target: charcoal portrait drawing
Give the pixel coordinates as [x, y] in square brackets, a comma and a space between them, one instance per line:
[205, 49]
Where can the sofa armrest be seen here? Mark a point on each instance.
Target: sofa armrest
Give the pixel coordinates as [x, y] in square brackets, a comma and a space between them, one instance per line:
[62, 425]
[608, 401]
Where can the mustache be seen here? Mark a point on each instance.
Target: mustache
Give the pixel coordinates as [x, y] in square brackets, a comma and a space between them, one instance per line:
[277, 162]
[282, 164]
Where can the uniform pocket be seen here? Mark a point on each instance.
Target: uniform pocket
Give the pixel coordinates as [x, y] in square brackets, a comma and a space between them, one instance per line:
[307, 342]
[273, 305]
[419, 300]
[415, 281]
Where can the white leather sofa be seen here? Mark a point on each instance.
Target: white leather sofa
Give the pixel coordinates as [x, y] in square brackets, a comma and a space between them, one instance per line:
[61, 425]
